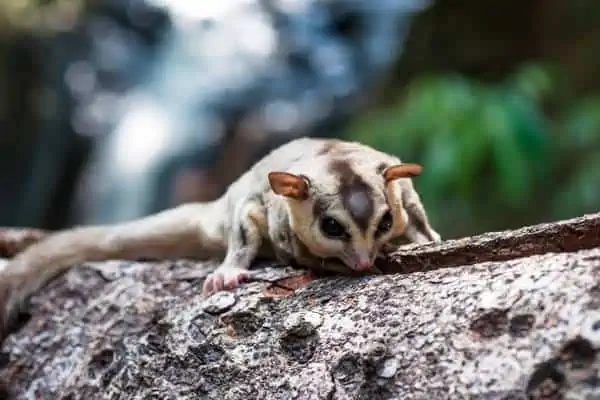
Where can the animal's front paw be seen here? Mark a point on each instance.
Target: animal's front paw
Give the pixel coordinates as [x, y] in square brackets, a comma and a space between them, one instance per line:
[225, 278]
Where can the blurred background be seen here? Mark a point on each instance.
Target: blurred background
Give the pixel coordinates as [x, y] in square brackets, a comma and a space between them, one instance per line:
[115, 109]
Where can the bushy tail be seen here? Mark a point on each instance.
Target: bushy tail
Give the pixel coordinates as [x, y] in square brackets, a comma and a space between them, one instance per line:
[191, 230]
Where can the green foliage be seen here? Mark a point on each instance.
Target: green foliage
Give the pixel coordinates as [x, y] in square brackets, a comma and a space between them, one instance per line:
[493, 158]
[579, 142]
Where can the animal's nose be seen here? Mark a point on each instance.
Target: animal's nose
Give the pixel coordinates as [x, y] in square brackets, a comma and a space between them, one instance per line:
[363, 261]
[364, 264]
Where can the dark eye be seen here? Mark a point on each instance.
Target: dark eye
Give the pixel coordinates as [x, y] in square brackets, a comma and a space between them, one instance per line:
[387, 220]
[333, 228]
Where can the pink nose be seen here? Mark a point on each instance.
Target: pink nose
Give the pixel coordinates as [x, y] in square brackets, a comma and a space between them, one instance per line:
[362, 265]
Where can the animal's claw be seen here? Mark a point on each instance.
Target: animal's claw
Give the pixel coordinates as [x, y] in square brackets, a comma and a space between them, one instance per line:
[225, 278]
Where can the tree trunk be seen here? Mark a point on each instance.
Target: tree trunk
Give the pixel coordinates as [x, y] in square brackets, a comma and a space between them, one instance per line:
[498, 316]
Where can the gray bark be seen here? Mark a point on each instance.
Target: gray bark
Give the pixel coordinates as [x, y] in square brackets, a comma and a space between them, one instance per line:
[503, 315]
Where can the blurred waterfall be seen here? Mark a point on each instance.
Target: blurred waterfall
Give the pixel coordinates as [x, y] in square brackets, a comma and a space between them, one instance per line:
[158, 85]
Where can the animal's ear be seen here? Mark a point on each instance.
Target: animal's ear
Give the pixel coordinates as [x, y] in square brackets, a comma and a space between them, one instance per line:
[289, 185]
[398, 171]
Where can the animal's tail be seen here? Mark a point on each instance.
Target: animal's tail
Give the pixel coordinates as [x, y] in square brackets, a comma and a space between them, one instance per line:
[190, 230]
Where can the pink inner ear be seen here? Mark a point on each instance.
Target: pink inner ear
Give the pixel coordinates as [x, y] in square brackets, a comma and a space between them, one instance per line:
[289, 185]
[402, 171]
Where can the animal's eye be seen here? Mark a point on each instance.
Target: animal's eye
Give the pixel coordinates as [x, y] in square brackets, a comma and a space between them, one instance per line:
[385, 224]
[332, 228]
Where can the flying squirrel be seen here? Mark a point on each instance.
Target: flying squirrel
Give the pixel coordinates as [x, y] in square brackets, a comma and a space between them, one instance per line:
[325, 204]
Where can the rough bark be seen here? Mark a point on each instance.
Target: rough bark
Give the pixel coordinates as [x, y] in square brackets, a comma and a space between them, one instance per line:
[517, 317]
[557, 237]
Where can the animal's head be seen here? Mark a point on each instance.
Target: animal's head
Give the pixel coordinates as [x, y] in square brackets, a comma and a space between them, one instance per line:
[349, 213]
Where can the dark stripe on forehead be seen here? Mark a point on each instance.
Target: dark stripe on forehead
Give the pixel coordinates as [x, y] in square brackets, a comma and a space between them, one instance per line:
[356, 194]
[336, 147]
[328, 146]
